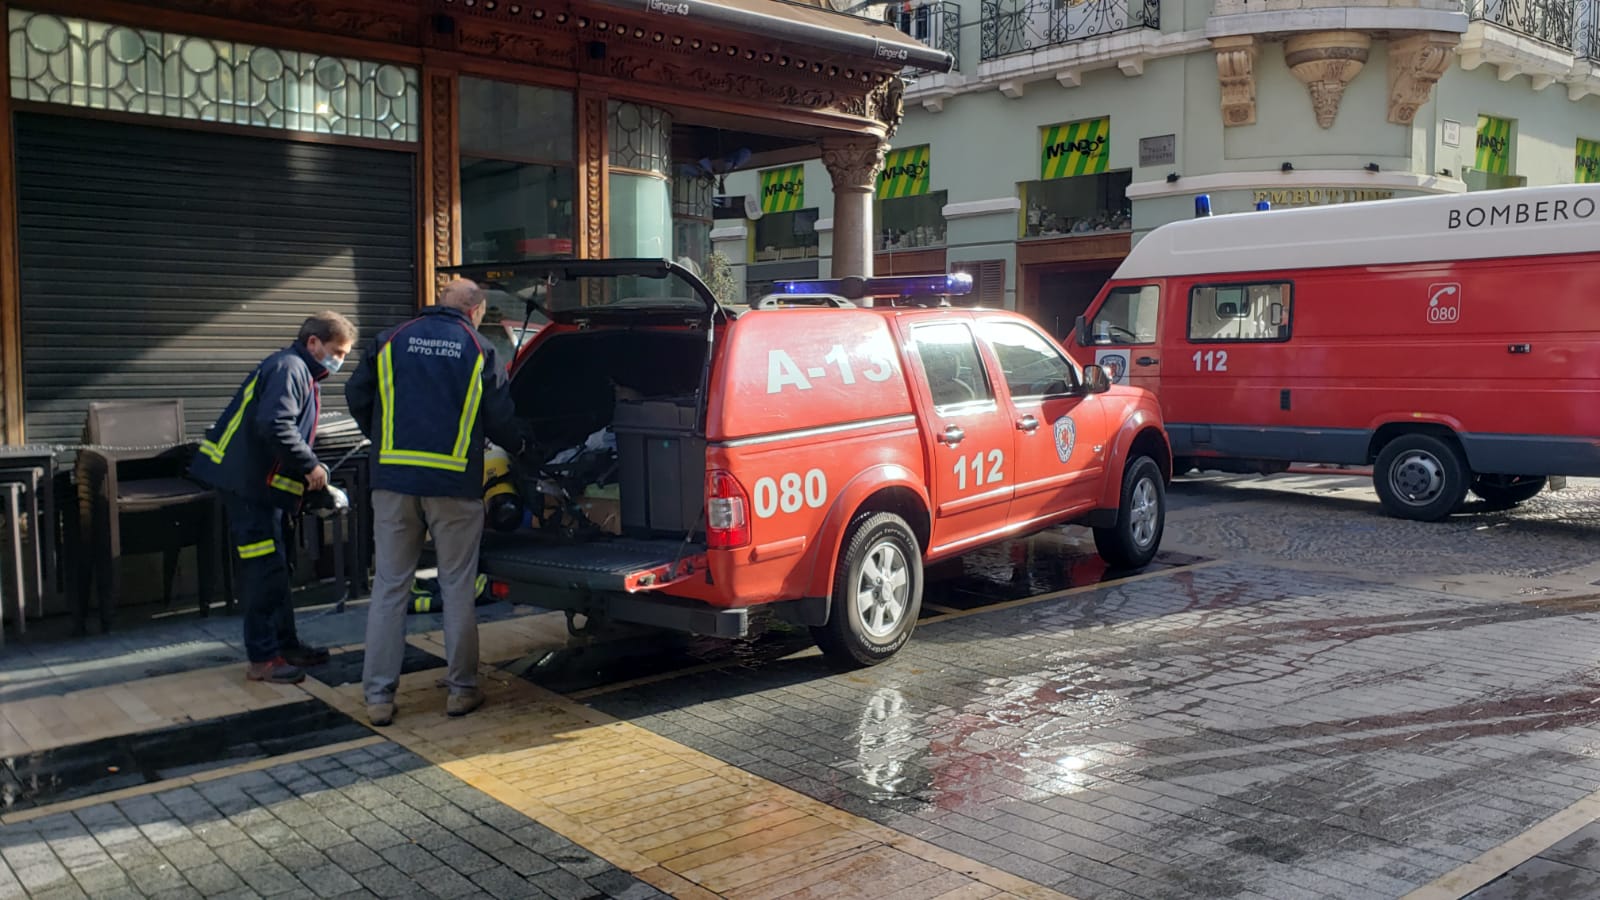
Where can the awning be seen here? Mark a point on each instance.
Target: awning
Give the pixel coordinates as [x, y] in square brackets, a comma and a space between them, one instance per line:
[811, 25]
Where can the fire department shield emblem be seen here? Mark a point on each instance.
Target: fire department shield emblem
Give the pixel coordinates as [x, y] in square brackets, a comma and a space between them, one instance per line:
[1066, 437]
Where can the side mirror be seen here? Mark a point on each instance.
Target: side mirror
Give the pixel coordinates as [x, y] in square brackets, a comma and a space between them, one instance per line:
[1095, 380]
[1275, 314]
[1080, 331]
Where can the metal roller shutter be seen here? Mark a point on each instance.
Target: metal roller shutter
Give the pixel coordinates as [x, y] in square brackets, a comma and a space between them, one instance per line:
[164, 263]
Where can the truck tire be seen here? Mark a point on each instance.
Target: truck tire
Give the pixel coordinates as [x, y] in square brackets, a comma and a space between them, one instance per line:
[1141, 518]
[1421, 477]
[1506, 491]
[877, 593]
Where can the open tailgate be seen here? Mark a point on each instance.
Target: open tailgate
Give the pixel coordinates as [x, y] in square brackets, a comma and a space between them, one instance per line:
[621, 565]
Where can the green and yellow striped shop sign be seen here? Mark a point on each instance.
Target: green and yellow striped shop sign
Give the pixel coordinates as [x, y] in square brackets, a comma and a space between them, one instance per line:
[1494, 146]
[783, 190]
[1586, 167]
[905, 173]
[1076, 148]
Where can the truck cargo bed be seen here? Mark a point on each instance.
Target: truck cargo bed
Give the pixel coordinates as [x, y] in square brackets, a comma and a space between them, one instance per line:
[620, 564]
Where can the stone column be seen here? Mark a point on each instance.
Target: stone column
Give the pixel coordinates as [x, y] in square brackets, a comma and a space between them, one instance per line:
[854, 164]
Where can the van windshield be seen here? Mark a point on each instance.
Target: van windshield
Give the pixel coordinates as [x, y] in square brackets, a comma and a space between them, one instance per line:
[1128, 316]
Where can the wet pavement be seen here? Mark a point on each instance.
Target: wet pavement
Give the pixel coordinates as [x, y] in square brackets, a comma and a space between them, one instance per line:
[1302, 698]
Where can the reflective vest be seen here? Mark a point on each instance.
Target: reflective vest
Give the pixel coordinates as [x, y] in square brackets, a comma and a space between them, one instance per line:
[260, 446]
[430, 383]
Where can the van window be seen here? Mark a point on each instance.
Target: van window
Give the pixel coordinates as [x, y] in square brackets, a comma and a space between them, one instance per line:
[1240, 312]
[1128, 316]
[954, 369]
[1032, 366]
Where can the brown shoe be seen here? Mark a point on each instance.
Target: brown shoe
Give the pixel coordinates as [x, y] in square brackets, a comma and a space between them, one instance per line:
[380, 714]
[305, 656]
[464, 702]
[275, 671]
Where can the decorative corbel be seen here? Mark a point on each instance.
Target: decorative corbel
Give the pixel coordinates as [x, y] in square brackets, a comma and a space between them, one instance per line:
[1236, 72]
[1326, 62]
[1416, 64]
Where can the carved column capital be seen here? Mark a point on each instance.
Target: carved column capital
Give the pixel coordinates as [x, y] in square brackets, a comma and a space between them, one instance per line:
[853, 162]
[1236, 72]
[1416, 64]
[1326, 62]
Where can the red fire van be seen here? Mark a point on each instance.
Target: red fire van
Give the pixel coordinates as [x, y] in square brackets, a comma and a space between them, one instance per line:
[1447, 341]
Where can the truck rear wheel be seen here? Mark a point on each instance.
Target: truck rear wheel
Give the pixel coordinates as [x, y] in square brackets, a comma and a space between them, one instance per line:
[877, 593]
[1141, 517]
[1421, 477]
[1506, 491]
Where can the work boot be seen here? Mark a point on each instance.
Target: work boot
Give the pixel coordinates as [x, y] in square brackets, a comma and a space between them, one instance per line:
[380, 714]
[275, 671]
[305, 655]
[463, 702]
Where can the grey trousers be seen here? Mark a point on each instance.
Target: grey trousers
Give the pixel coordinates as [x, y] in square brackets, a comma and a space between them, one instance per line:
[400, 523]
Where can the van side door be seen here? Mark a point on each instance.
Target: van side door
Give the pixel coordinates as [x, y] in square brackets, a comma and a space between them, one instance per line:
[1060, 432]
[968, 438]
[1125, 336]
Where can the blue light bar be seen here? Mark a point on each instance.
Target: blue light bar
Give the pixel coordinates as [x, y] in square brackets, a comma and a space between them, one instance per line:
[1202, 206]
[1263, 205]
[953, 283]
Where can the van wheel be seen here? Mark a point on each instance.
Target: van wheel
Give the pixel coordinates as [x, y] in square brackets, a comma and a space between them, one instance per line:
[877, 593]
[1420, 477]
[1506, 491]
[1141, 517]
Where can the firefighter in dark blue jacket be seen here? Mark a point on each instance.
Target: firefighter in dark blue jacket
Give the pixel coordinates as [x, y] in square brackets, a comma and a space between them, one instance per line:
[258, 456]
[427, 393]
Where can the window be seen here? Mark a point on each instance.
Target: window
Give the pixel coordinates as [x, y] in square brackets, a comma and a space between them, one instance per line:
[1239, 312]
[988, 280]
[1033, 367]
[1128, 316]
[911, 223]
[950, 359]
[1085, 204]
[786, 235]
[517, 182]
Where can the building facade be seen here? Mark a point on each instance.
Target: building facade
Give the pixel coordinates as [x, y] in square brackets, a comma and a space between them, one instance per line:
[182, 181]
[1070, 128]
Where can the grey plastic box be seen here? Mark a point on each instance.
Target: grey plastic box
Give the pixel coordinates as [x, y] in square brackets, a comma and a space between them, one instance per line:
[662, 465]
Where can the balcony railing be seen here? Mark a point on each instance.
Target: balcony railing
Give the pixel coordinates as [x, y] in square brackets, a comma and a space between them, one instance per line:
[1022, 26]
[1554, 22]
[1586, 33]
[937, 24]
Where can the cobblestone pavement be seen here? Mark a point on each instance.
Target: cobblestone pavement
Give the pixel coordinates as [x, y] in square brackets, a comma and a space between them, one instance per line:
[1337, 704]
[377, 822]
[1241, 730]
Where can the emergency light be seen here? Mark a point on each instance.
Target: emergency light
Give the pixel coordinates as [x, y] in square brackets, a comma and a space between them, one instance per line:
[1202, 206]
[854, 287]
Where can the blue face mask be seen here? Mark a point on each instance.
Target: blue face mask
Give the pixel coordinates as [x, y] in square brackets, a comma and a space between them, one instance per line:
[331, 363]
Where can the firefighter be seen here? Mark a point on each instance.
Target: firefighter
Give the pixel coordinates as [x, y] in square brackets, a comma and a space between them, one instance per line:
[258, 456]
[426, 393]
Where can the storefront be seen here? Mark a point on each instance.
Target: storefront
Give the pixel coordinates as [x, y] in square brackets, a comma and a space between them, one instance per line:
[184, 181]
[1075, 223]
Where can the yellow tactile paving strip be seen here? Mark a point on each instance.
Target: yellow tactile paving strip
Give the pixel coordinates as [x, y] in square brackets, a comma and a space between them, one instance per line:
[60, 720]
[687, 823]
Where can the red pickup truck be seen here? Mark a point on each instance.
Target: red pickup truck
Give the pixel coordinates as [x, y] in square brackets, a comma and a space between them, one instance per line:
[694, 462]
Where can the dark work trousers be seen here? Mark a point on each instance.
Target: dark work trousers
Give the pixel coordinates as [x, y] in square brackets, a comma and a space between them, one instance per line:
[259, 548]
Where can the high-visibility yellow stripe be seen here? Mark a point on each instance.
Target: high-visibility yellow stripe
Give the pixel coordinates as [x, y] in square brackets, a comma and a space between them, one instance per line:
[386, 394]
[216, 450]
[422, 460]
[455, 461]
[287, 484]
[259, 549]
[469, 410]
